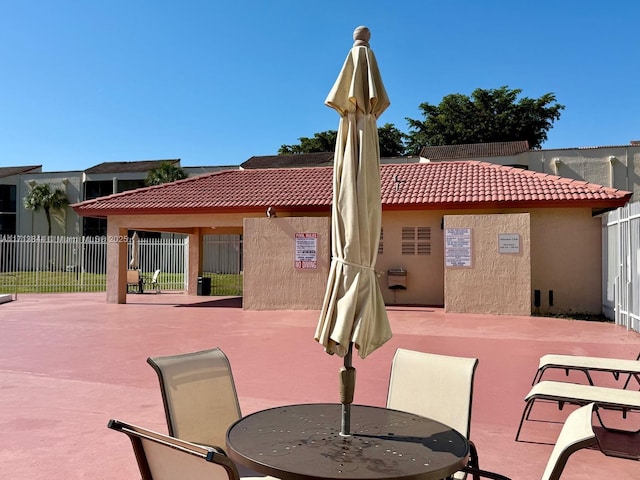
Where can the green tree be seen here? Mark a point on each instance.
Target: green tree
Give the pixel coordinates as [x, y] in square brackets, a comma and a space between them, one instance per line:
[495, 115]
[43, 197]
[391, 142]
[320, 142]
[164, 173]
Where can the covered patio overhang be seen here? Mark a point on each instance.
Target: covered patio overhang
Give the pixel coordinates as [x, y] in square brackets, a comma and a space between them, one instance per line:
[195, 227]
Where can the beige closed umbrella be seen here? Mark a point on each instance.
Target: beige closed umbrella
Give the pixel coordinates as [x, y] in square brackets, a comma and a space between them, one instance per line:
[353, 310]
[134, 264]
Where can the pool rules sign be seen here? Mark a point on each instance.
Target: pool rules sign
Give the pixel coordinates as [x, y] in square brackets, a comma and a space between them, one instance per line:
[306, 250]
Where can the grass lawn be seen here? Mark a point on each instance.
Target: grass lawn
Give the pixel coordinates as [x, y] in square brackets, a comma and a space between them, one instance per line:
[65, 282]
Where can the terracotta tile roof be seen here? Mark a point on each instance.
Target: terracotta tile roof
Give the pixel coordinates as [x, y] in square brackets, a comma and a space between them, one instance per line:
[464, 184]
[9, 171]
[471, 184]
[321, 159]
[118, 167]
[474, 150]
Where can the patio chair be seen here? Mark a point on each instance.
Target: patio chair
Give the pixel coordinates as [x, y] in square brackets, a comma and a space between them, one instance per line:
[577, 433]
[435, 386]
[586, 365]
[135, 280]
[577, 394]
[161, 457]
[199, 395]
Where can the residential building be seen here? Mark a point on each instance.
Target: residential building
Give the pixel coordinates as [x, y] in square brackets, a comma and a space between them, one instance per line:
[100, 180]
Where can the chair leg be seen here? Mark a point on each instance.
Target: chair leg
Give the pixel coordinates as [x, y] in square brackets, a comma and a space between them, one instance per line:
[474, 462]
[525, 414]
[477, 473]
[538, 376]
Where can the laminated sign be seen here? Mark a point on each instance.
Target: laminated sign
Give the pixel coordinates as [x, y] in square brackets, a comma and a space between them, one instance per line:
[306, 250]
[458, 247]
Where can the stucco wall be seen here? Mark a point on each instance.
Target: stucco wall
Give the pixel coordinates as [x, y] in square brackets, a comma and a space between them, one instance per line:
[493, 282]
[271, 279]
[566, 258]
[424, 280]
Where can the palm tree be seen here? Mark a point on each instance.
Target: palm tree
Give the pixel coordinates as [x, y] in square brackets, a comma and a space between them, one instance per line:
[164, 173]
[44, 197]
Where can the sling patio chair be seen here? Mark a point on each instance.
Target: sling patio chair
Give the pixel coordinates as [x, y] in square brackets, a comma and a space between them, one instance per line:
[578, 394]
[587, 364]
[577, 433]
[435, 386]
[135, 280]
[162, 457]
[199, 395]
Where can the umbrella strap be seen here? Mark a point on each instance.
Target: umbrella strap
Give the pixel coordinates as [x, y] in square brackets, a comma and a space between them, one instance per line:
[351, 264]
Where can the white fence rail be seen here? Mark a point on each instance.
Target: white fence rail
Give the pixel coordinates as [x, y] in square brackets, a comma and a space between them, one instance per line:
[32, 263]
[621, 266]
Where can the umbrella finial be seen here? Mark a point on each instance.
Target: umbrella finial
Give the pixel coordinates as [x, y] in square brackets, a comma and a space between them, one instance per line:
[361, 36]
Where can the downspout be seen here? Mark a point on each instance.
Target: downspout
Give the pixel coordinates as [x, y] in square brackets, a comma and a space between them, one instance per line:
[612, 160]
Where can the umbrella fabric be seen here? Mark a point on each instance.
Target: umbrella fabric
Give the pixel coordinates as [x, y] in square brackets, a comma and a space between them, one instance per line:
[135, 251]
[353, 308]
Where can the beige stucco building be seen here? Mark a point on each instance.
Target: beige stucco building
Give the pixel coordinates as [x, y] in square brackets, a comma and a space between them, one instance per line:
[469, 236]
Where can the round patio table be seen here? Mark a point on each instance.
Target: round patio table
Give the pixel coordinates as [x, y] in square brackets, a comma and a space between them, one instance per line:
[303, 442]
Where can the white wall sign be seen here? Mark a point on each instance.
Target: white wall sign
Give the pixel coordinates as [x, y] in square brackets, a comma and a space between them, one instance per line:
[306, 250]
[457, 247]
[508, 243]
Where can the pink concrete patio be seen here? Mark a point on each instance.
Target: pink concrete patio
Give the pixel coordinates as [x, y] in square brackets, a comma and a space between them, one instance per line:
[70, 362]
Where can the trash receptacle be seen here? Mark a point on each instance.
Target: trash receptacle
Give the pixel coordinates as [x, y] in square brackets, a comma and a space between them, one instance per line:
[204, 286]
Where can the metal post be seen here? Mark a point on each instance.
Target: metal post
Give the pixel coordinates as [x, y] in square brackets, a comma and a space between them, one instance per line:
[347, 388]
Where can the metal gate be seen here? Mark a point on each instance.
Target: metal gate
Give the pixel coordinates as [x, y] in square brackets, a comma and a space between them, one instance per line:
[222, 263]
[621, 266]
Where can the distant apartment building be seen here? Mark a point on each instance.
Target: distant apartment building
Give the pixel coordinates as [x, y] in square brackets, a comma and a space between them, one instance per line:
[100, 180]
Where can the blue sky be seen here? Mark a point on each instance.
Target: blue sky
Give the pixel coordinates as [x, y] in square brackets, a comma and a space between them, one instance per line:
[214, 83]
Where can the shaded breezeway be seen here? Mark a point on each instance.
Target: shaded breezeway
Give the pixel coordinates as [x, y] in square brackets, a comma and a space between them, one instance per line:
[69, 362]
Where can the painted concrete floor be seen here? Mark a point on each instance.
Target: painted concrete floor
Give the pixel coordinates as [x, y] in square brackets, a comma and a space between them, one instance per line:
[70, 362]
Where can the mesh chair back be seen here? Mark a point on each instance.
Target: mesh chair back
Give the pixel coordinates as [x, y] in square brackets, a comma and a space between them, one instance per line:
[199, 395]
[435, 386]
[577, 433]
[161, 457]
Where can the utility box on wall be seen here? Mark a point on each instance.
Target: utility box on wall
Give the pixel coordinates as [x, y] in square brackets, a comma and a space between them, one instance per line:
[397, 279]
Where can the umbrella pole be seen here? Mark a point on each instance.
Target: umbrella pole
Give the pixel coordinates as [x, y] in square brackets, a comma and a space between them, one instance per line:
[347, 387]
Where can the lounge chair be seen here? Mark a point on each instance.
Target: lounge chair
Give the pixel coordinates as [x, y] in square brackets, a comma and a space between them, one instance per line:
[435, 386]
[161, 457]
[153, 283]
[589, 364]
[577, 394]
[577, 433]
